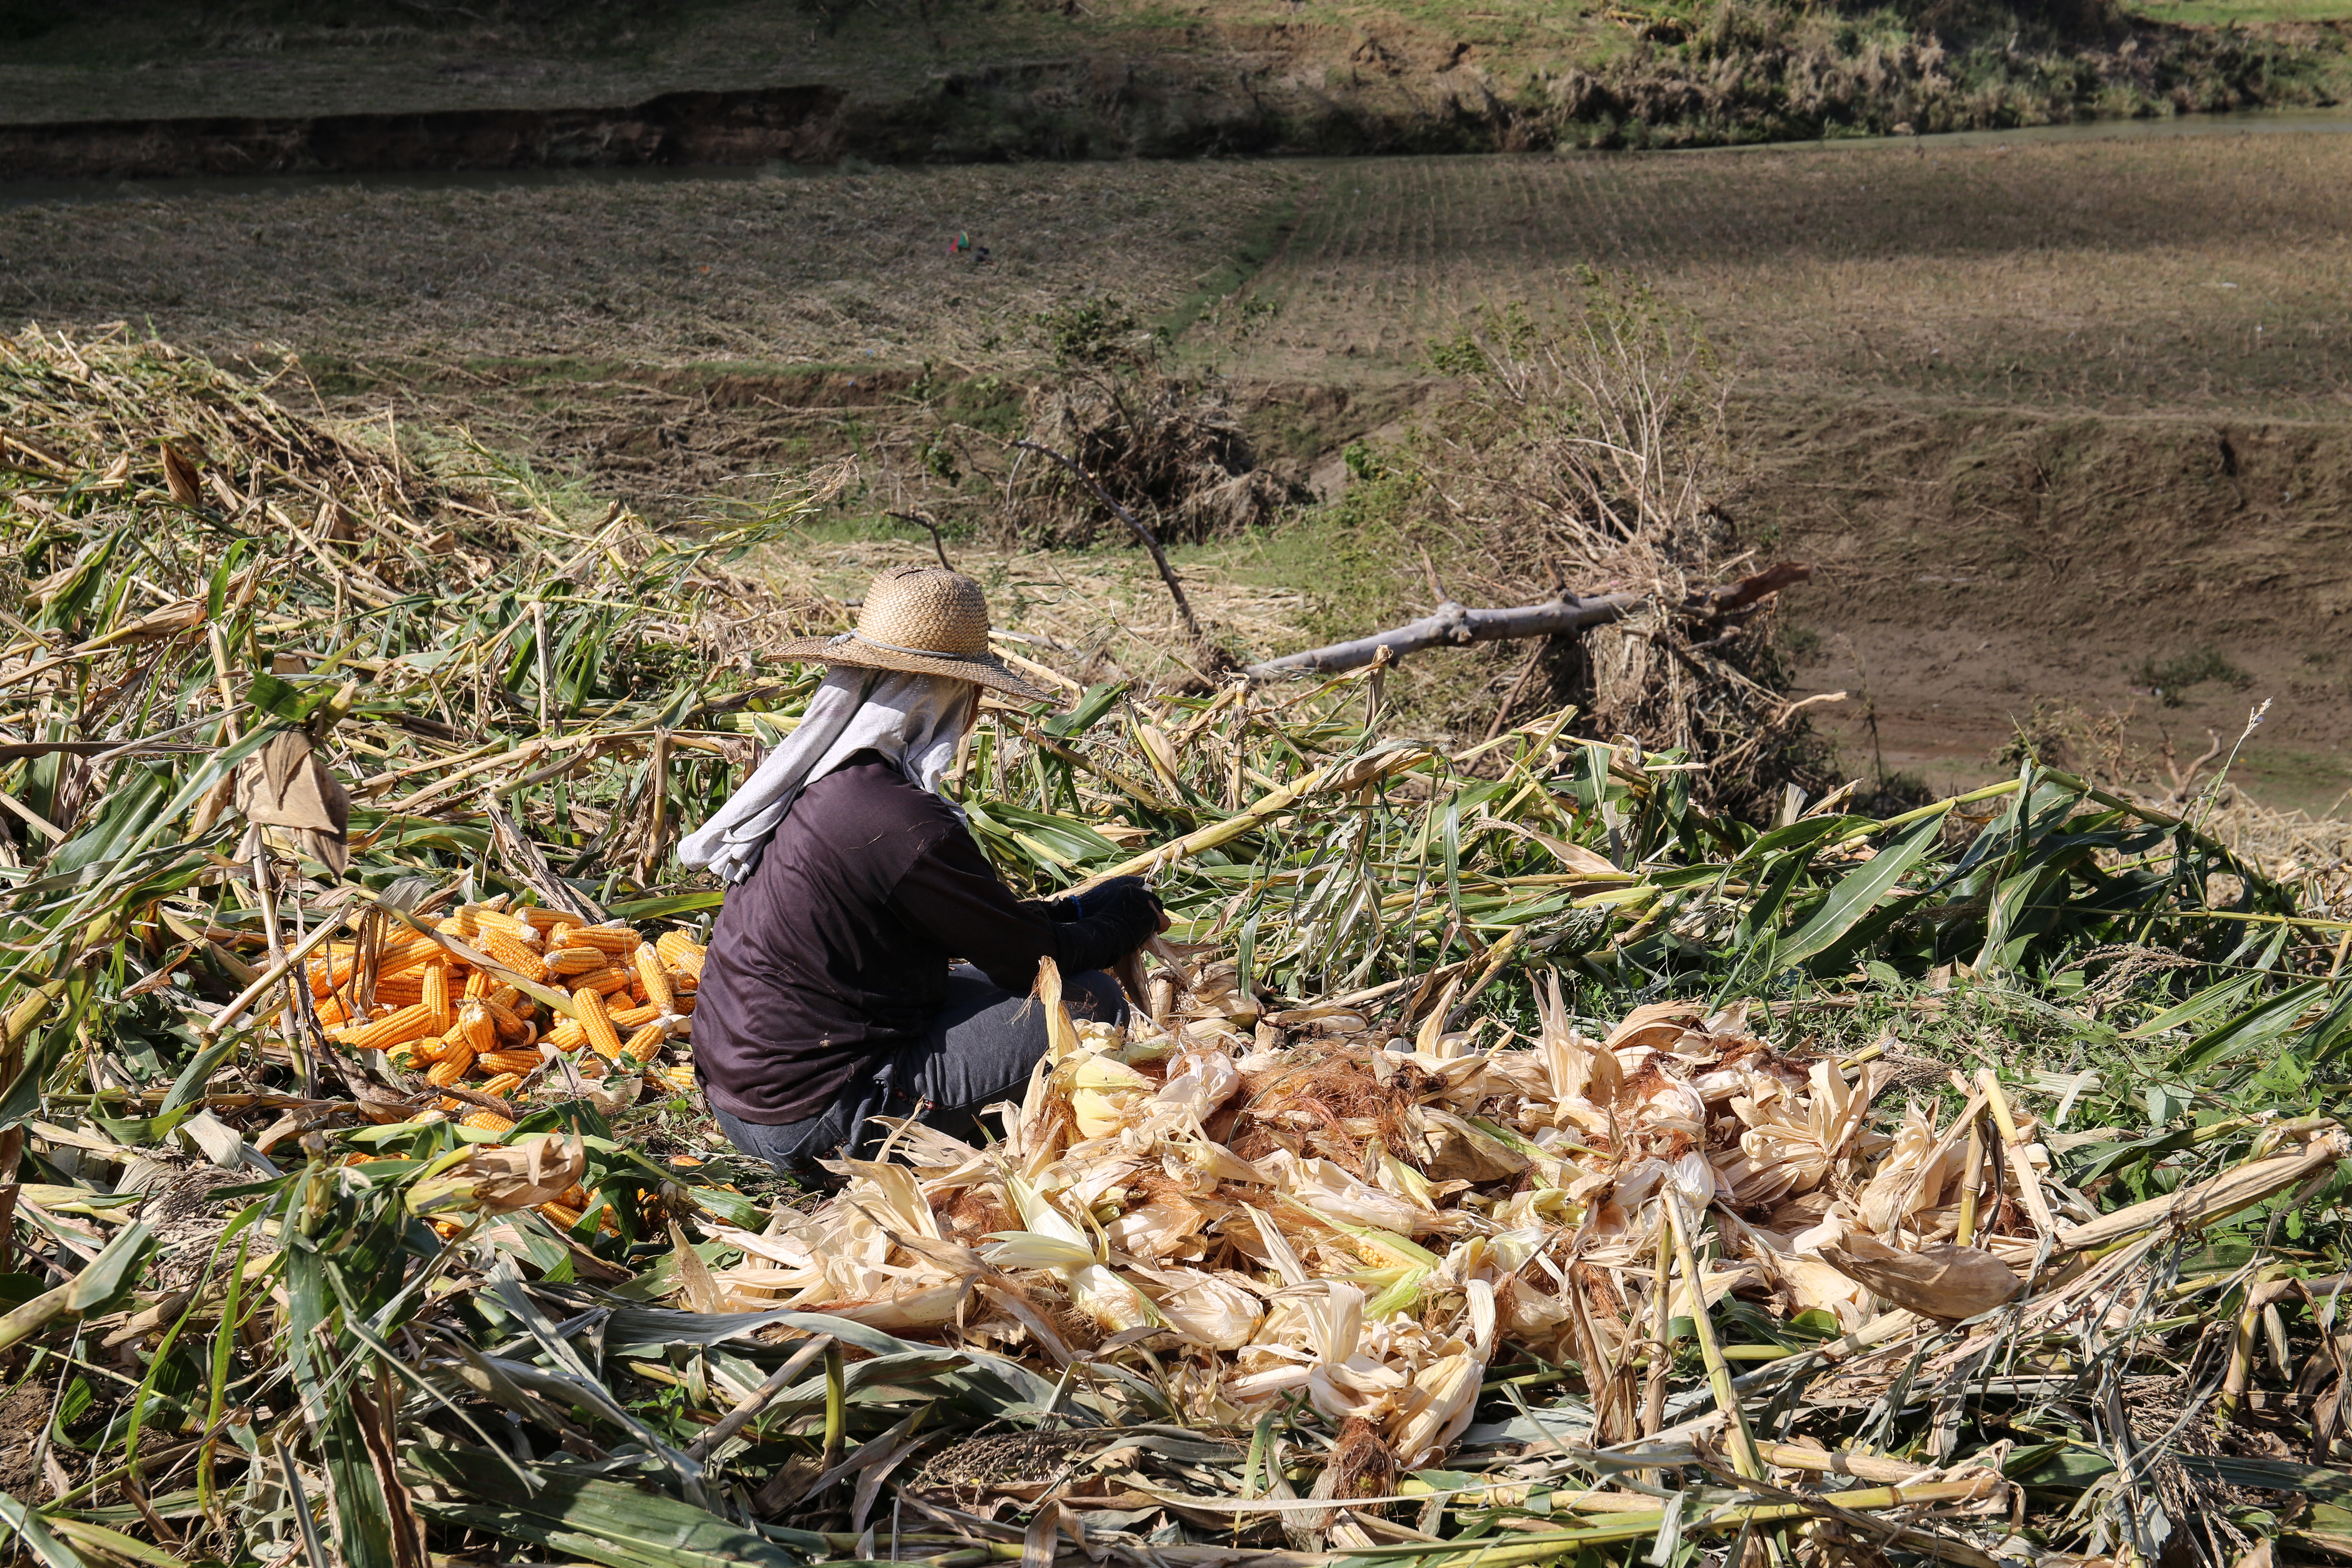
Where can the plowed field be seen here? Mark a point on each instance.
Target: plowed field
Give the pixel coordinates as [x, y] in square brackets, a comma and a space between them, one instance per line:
[2208, 272]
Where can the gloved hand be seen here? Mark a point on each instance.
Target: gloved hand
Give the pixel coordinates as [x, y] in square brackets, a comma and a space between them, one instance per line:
[1130, 901]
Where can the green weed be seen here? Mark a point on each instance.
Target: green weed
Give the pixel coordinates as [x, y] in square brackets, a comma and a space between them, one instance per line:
[2170, 678]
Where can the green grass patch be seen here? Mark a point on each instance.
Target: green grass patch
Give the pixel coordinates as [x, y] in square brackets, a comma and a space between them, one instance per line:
[2230, 13]
[2172, 678]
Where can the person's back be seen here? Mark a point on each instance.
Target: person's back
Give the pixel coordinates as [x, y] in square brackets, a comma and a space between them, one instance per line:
[836, 951]
[829, 994]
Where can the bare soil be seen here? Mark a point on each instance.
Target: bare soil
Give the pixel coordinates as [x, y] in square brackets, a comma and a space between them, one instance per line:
[2051, 415]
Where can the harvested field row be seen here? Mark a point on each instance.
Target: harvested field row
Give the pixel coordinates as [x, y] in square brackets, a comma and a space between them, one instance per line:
[2158, 274]
[2178, 273]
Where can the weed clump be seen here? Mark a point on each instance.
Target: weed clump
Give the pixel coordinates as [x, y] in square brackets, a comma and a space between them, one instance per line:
[2170, 678]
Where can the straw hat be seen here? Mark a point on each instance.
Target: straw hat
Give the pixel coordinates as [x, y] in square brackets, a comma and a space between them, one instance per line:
[924, 620]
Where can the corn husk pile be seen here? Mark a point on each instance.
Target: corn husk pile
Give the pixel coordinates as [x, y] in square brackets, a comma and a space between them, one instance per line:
[1510, 1159]
[1305, 1221]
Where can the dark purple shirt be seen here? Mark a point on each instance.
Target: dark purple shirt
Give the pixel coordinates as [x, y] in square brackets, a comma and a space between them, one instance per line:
[835, 951]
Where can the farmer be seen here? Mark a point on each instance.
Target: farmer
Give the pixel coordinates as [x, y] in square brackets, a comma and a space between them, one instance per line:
[829, 994]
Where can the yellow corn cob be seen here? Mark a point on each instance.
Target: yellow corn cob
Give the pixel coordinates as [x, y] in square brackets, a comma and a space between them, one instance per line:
[576, 960]
[568, 1036]
[574, 1196]
[396, 955]
[408, 1057]
[478, 985]
[438, 1047]
[541, 918]
[489, 923]
[680, 951]
[334, 1012]
[476, 1027]
[651, 976]
[331, 973]
[507, 1027]
[409, 961]
[515, 955]
[558, 1216]
[408, 1024]
[618, 939]
[453, 1067]
[506, 996]
[633, 1017]
[603, 981]
[489, 1120]
[597, 1023]
[641, 1046]
[463, 921]
[505, 1083]
[507, 1062]
[684, 1005]
[435, 995]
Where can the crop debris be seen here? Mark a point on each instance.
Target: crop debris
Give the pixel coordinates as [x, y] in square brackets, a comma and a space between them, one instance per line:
[1511, 1159]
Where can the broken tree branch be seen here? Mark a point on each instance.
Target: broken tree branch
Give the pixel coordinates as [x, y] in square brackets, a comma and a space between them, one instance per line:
[1150, 540]
[937, 543]
[1456, 626]
[1452, 626]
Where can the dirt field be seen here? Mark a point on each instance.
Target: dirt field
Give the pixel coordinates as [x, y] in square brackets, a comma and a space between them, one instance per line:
[2049, 414]
[2055, 416]
[917, 82]
[2124, 276]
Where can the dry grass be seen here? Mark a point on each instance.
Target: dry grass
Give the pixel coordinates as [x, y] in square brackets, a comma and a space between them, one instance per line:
[840, 268]
[1102, 614]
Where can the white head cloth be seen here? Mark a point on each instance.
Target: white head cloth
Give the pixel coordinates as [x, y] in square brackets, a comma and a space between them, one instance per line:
[913, 721]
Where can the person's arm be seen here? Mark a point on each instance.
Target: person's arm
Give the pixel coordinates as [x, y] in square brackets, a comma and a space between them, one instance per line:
[953, 893]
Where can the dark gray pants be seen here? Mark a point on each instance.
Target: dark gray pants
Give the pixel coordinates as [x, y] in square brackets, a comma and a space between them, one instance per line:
[980, 1048]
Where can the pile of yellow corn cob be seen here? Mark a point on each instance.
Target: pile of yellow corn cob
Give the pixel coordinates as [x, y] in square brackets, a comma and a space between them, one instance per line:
[431, 1012]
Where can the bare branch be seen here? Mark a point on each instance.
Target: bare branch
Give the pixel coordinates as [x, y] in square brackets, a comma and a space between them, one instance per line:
[1452, 626]
[1150, 541]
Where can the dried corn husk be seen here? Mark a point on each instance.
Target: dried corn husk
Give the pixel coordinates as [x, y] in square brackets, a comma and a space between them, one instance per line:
[500, 1178]
[1940, 1279]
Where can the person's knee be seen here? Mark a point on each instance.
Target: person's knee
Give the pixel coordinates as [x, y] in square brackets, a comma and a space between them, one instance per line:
[1096, 994]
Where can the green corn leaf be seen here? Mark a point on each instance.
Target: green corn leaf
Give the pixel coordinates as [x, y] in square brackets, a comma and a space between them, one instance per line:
[605, 1522]
[34, 1533]
[2210, 1000]
[2263, 1022]
[1856, 894]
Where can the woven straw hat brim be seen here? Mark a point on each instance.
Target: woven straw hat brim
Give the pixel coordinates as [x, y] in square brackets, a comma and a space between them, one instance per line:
[985, 670]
